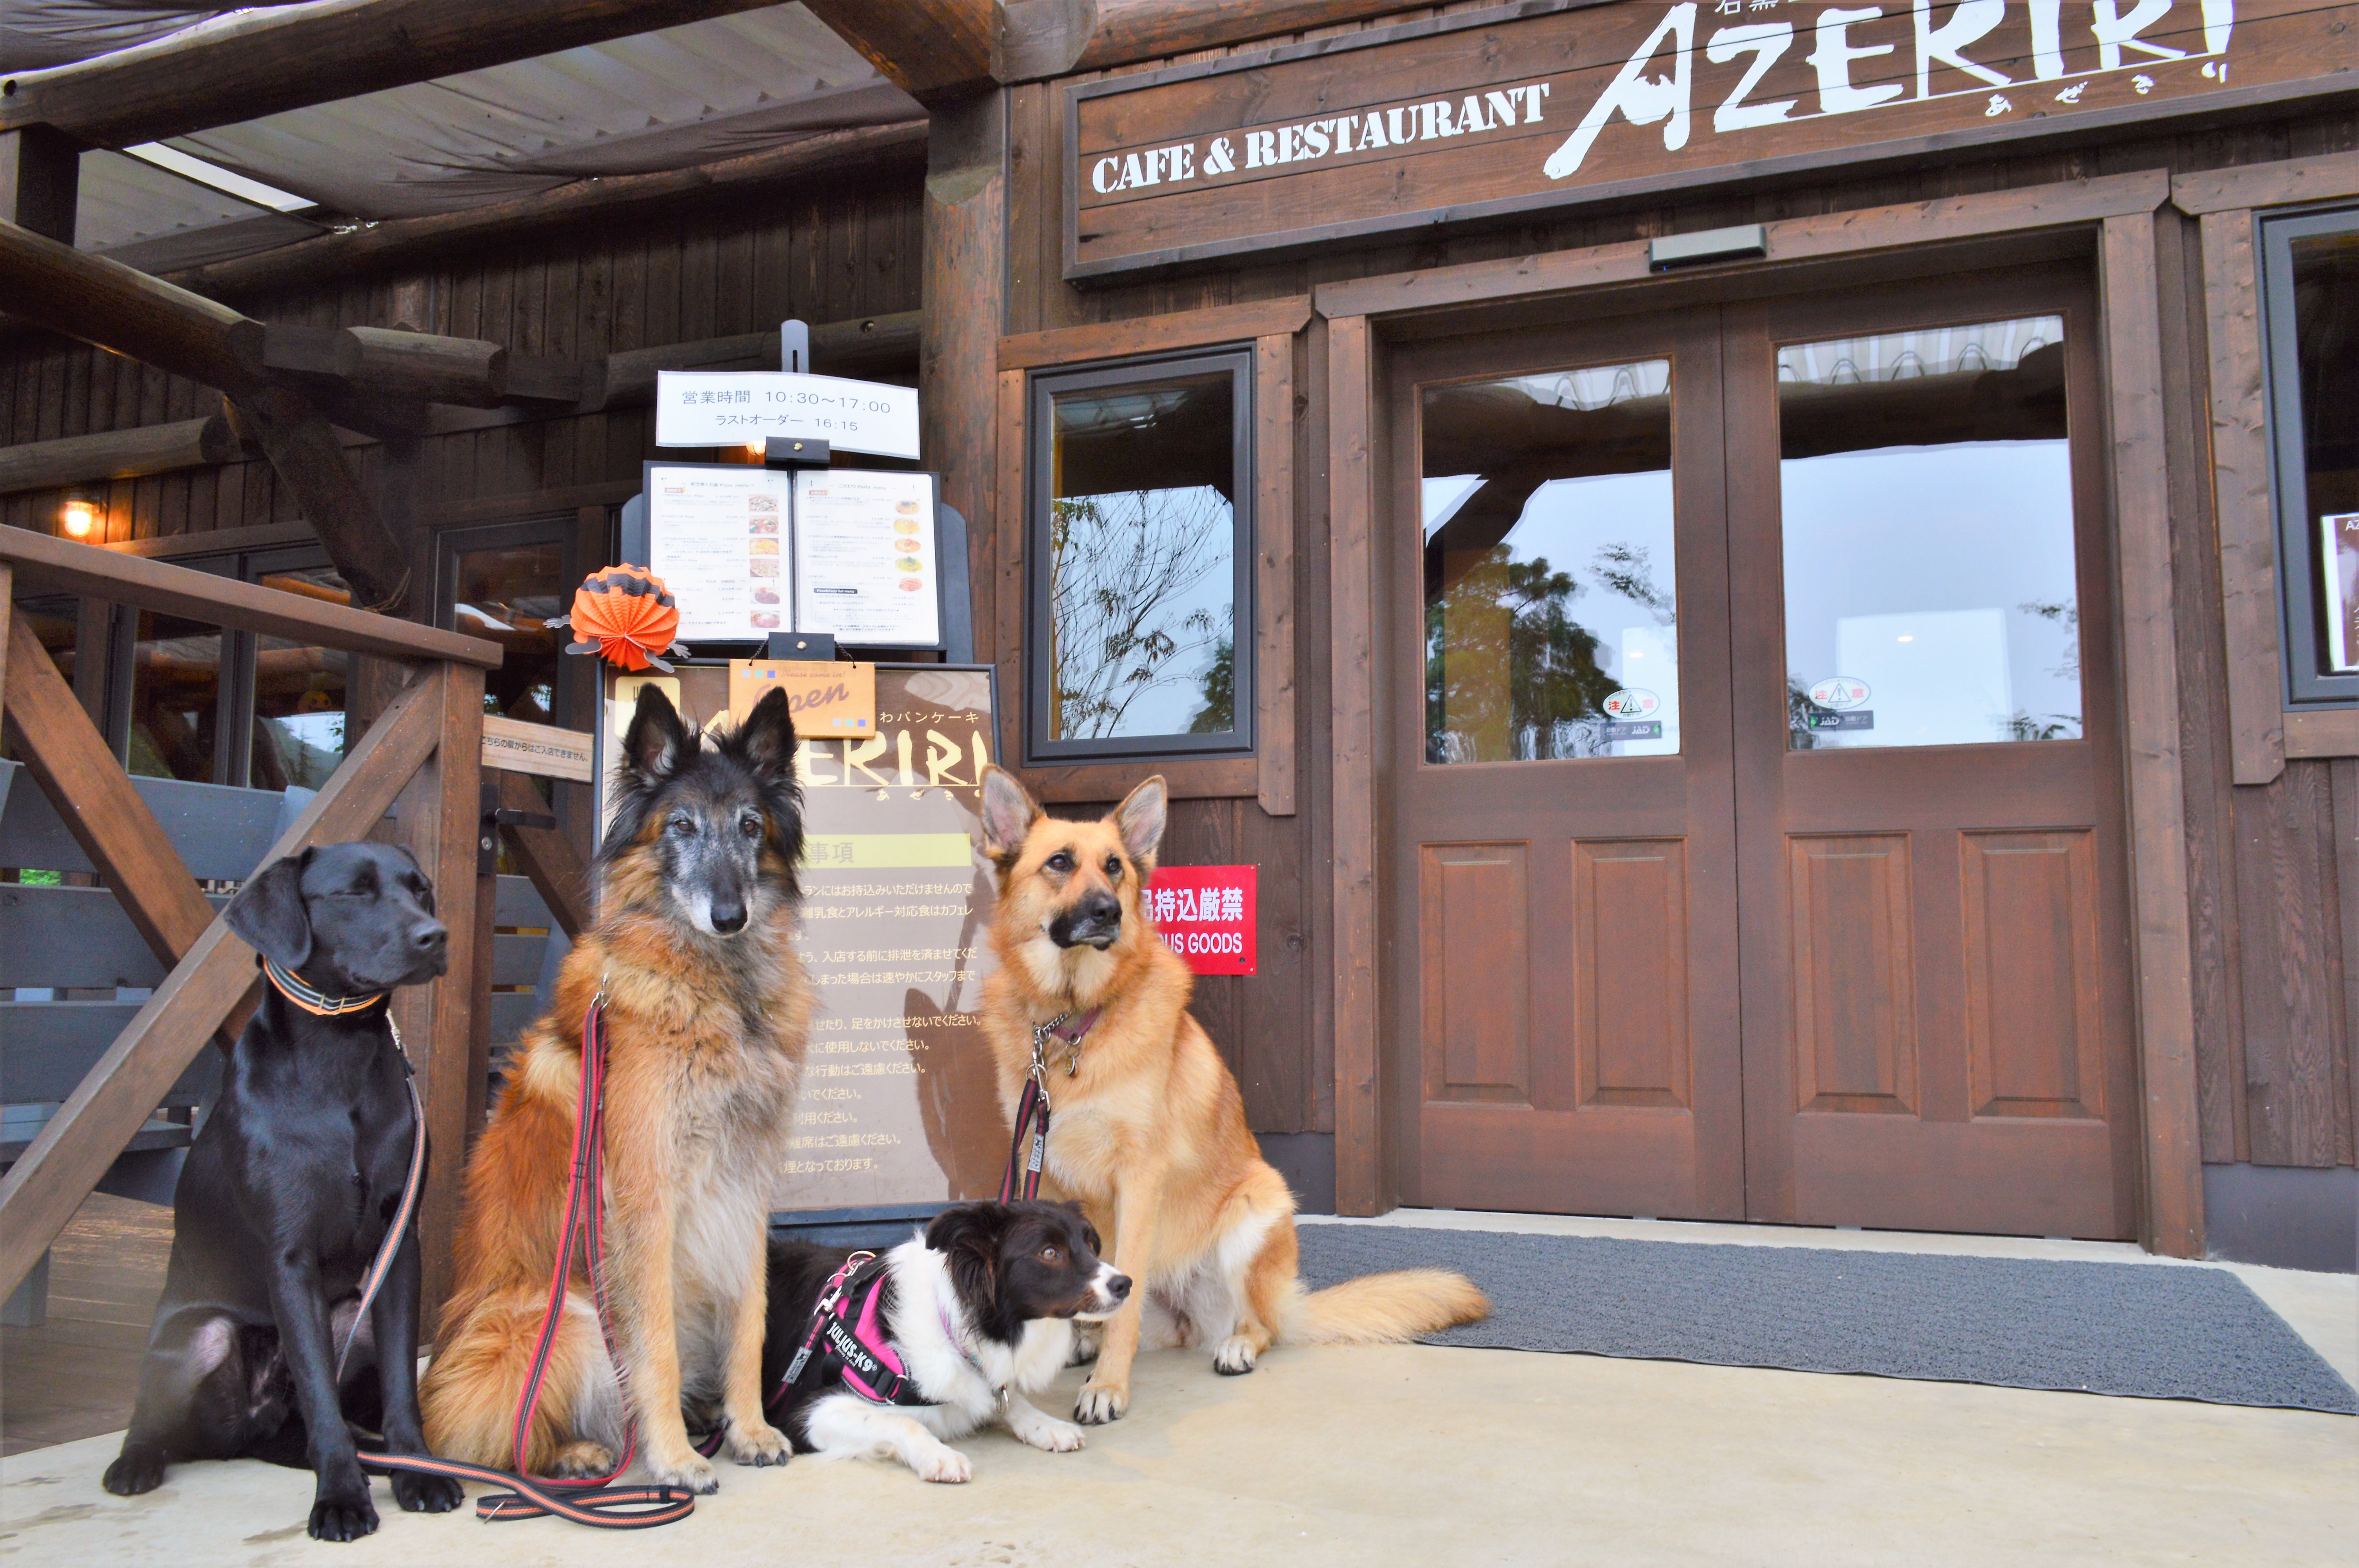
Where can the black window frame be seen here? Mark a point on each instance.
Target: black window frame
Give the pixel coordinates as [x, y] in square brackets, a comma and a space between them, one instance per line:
[1236, 359]
[2301, 583]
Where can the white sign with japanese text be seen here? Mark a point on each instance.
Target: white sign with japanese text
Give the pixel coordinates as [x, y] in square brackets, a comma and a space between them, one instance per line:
[746, 408]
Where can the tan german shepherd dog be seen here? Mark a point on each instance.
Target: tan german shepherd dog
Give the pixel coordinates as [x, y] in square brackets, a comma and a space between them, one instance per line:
[707, 1011]
[1147, 1128]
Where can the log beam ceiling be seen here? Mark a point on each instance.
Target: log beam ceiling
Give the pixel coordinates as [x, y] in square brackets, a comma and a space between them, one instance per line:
[272, 61]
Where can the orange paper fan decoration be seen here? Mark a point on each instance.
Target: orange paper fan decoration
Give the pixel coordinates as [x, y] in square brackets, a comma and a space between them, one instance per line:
[625, 614]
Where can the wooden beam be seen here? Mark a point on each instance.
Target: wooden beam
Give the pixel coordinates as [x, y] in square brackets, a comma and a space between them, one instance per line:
[94, 797]
[2161, 943]
[2242, 511]
[403, 239]
[405, 364]
[1148, 335]
[64, 566]
[7, 624]
[965, 296]
[1040, 38]
[40, 179]
[43, 1189]
[118, 454]
[122, 308]
[273, 61]
[937, 52]
[301, 445]
[548, 858]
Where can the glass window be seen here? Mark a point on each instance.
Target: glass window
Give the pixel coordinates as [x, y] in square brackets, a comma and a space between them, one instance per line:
[1140, 561]
[1551, 626]
[1927, 487]
[2311, 283]
[299, 690]
[176, 699]
[505, 585]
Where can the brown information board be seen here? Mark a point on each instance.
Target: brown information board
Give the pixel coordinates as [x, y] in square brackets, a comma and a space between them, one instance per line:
[899, 1107]
[1542, 104]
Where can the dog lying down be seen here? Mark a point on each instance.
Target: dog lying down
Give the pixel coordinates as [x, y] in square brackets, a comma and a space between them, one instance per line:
[935, 1338]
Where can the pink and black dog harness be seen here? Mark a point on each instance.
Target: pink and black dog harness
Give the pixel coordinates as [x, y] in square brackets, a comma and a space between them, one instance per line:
[847, 1332]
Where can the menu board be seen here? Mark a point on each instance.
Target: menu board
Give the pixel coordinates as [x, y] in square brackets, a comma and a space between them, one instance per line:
[718, 536]
[899, 1106]
[866, 557]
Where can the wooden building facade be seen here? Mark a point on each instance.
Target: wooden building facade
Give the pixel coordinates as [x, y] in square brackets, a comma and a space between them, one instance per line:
[1761, 341]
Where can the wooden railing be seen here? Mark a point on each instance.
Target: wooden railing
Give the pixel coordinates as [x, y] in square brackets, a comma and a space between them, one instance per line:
[419, 761]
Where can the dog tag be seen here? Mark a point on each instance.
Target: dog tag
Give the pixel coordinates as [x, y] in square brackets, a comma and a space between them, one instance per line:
[826, 699]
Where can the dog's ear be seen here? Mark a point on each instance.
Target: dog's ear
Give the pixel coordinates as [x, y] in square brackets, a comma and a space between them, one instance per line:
[269, 913]
[765, 742]
[1008, 813]
[656, 742]
[968, 1237]
[1140, 819]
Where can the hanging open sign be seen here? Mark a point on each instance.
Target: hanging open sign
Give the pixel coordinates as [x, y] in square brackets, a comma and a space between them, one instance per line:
[1205, 914]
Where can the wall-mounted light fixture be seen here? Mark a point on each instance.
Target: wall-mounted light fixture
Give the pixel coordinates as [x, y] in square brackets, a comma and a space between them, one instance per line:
[80, 515]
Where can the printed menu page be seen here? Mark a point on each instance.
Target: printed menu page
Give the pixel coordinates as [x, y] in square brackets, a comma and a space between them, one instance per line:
[867, 566]
[717, 536]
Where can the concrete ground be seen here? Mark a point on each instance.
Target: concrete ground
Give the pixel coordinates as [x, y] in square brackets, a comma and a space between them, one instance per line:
[1419, 1456]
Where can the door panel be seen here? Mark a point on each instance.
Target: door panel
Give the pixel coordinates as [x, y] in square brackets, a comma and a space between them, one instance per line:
[1929, 792]
[1854, 974]
[1477, 1015]
[1629, 941]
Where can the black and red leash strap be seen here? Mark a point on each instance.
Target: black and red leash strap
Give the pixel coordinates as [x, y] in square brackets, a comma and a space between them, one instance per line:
[590, 1500]
[1027, 1152]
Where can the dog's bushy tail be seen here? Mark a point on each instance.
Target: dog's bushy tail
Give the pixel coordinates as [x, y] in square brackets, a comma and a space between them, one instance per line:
[1384, 1309]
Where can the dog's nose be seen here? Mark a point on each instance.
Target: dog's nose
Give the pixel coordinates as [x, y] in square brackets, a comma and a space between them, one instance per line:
[1119, 1287]
[728, 919]
[1101, 909]
[429, 936]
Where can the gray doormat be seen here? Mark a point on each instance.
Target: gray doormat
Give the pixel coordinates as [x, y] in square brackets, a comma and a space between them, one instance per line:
[2146, 1330]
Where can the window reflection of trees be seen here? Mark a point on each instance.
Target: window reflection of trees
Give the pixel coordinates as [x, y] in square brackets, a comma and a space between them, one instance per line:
[1556, 684]
[1124, 575]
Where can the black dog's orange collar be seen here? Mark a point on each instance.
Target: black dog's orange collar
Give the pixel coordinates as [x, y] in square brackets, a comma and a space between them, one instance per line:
[318, 1003]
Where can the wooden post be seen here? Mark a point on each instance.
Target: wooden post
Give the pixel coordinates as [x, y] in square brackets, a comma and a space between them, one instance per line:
[2160, 949]
[41, 178]
[7, 630]
[439, 819]
[965, 309]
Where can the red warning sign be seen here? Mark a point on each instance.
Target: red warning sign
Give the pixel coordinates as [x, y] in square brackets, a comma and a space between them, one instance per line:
[1205, 914]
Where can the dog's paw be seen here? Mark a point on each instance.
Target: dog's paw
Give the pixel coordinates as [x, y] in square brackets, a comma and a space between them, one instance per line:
[426, 1494]
[688, 1472]
[947, 1464]
[582, 1461]
[344, 1513]
[1100, 1403]
[1085, 1347]
[1048, 1433]
[138, 1468]
[1234, 1358]
[758, 1442]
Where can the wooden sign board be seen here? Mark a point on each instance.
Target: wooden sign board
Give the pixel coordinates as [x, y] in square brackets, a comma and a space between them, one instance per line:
[899, 1109]
[539, 748]
[1508, 110]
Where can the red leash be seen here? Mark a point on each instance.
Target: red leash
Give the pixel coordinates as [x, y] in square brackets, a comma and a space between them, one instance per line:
[1026, 1156]
[587, 1500]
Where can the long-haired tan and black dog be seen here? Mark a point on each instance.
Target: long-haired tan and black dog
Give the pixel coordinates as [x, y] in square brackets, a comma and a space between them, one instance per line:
[1148, 1130]
[707, 1011]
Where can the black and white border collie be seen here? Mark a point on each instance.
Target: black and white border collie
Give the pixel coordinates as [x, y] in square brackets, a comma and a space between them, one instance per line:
[980, 1307]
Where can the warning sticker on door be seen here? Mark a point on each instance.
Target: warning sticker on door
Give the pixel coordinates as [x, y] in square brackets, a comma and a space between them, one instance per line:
[1840, 693]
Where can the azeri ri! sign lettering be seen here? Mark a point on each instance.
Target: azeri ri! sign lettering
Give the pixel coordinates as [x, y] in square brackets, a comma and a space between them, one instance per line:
[1421, 124]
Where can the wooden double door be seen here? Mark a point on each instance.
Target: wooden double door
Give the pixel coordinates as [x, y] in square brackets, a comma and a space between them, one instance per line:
[1753, 797]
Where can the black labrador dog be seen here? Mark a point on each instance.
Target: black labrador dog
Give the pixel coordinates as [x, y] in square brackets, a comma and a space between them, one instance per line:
[289, 1190]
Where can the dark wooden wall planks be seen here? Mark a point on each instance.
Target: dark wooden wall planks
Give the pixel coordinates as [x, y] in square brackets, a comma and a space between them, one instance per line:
[2271, 877]
[825, 251]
